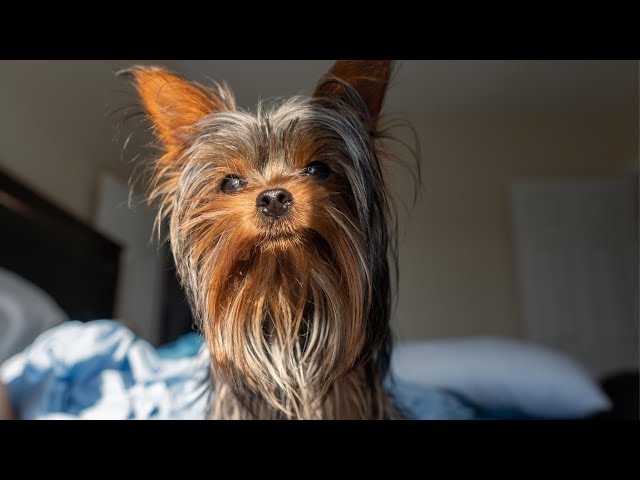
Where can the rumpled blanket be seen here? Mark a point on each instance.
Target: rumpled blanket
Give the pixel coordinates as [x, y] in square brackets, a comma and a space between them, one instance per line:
[101, 370]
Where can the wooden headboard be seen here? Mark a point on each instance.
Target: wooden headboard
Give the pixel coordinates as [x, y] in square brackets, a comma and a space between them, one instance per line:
[64, 256]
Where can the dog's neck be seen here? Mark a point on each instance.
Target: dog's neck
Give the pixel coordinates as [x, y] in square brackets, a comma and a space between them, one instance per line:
[351, 398]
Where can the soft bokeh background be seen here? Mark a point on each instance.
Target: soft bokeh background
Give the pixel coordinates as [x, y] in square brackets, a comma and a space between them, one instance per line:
[482, 126]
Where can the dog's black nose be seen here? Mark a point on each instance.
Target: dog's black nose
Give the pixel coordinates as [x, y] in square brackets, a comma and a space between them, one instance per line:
[274, 203]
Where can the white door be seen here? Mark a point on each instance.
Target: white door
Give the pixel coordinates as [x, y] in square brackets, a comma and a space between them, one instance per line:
[576, 253]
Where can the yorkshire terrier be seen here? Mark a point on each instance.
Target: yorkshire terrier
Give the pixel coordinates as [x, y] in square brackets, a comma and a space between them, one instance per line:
[283, 234]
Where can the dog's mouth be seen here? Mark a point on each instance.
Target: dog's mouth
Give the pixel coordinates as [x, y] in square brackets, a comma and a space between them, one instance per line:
[280, 230]
[278, 238]
[275, 235]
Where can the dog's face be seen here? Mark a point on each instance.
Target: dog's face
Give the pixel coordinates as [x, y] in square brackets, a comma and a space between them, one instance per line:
[278, 225]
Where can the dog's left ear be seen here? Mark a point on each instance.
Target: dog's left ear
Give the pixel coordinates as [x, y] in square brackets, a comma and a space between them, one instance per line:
[173, 104]
[361, 84]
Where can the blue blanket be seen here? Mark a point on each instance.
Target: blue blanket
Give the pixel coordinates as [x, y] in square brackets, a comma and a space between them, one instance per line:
[101, 370]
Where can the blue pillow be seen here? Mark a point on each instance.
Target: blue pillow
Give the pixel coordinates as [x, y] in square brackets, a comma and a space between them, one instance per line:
[504, 378]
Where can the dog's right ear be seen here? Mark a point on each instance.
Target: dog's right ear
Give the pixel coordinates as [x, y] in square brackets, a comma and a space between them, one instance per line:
[362, 84]
[174, 104]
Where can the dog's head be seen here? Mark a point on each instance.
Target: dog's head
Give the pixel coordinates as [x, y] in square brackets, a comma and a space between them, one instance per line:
[279, 225]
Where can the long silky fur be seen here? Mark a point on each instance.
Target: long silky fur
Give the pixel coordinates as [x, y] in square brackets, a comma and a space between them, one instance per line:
[296, 312]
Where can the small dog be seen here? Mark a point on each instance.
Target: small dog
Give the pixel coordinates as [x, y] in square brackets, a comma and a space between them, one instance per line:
[282, 230]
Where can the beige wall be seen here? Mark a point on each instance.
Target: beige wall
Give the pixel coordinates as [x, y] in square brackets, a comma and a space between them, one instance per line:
[456, 260]
[55, 134]
[456, 257]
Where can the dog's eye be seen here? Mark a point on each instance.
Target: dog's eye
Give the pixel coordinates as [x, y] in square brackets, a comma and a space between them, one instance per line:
[318, 170]
[231, 183]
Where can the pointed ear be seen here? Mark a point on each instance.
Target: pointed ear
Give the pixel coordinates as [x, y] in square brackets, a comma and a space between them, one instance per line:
[368, 78]
[174, 104]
